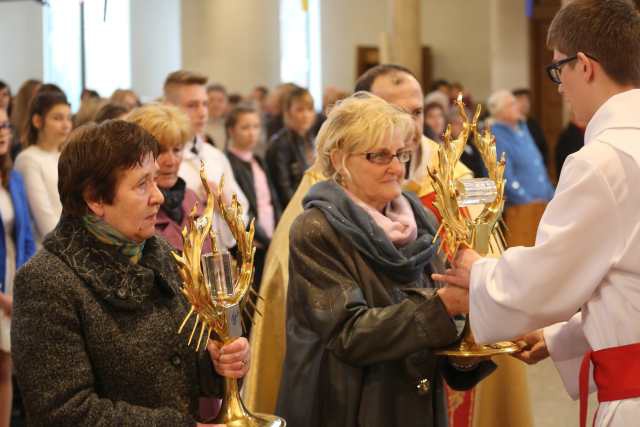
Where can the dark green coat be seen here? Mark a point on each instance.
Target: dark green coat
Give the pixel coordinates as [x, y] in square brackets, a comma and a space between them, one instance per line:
[94, 337]
[358, 344]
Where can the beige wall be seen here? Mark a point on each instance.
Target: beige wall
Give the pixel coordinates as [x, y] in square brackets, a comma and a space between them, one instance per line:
[484, 44]
[346, 25]
[458, 33]
[481, 43]
[234, 42]
[510, 65]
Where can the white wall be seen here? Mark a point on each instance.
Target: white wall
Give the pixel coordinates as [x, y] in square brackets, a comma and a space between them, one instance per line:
[234, 42]
[346, 25]
[21, 35]
[156, 48]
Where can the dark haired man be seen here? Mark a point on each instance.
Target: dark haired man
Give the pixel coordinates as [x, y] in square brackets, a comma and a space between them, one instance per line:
[581, 279]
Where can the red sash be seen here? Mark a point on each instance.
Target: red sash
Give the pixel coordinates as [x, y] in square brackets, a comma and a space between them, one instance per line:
[616, 372]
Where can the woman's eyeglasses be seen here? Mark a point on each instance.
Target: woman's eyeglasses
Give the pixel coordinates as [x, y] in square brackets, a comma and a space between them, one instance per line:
[5, 125]
[554, 70]
[384, 157]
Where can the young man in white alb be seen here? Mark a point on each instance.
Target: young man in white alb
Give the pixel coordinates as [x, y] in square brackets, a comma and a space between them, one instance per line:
[581, 280]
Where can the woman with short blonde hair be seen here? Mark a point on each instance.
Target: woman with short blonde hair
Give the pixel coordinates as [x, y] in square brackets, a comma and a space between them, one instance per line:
[360, 123]
[363, 316]
[172, 129]
[168, 124]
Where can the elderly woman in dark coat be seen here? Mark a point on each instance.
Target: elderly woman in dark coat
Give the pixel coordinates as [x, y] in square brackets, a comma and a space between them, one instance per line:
[363, 317]
[97, 309]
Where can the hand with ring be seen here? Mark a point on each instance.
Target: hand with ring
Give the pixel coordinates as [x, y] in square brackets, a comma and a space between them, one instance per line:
[230, 360]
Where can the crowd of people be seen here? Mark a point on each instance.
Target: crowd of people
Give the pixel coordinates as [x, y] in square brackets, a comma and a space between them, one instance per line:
[262, 143]
[93, 202]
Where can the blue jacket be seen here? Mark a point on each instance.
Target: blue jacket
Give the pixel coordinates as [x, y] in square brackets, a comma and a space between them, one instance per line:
[525, 172]
[22, 233]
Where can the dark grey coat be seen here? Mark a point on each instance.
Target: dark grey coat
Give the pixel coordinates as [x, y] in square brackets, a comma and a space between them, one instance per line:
[358, 343]
[94, 337]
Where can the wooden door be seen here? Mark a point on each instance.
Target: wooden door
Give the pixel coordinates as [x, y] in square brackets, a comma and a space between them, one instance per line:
[546, 102]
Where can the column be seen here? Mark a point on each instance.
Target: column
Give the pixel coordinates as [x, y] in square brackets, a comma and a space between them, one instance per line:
[404, 34]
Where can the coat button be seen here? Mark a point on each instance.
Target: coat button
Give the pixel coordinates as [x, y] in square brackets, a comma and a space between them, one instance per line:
[122, 293]
[423, 386]
[176, 360]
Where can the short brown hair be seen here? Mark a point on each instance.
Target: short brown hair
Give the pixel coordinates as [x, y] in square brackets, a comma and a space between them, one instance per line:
[182, 78]
[298, 94]
[93, 159]
[236, 112]
[217, 87]
[608, 30]
[168, 124]
[366, 80]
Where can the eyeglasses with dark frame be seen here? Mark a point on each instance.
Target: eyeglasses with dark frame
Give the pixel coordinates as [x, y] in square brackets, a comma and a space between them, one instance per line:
[384, 157]
[553, 70]
[5, 125]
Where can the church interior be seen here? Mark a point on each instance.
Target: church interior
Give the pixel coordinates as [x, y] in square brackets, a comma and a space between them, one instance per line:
[248, 50]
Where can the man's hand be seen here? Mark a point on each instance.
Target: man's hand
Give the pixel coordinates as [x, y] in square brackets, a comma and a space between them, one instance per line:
[231, 360]
[460, 272]
[534, 348]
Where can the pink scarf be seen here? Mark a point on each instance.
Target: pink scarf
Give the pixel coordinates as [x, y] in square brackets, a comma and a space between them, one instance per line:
[397, 222]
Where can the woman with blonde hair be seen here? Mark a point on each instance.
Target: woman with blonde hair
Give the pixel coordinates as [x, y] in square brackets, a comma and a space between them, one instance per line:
[172, 129]
[363, 317]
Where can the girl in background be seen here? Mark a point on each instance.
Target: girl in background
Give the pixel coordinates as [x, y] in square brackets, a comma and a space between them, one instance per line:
[47, 127]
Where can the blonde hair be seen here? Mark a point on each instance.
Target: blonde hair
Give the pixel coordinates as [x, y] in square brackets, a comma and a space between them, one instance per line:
[168, 125]
[88, 110]
[181, 78]
[356, 125]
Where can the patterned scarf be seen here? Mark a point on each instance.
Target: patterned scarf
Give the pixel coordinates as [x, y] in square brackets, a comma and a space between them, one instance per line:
[404, 264]
[110, 236]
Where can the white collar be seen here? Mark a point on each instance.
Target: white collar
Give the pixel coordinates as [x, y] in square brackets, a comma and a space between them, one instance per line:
[618, 112]
[193, 149]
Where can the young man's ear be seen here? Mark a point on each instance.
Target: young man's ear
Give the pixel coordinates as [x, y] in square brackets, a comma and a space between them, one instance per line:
[587, 66]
